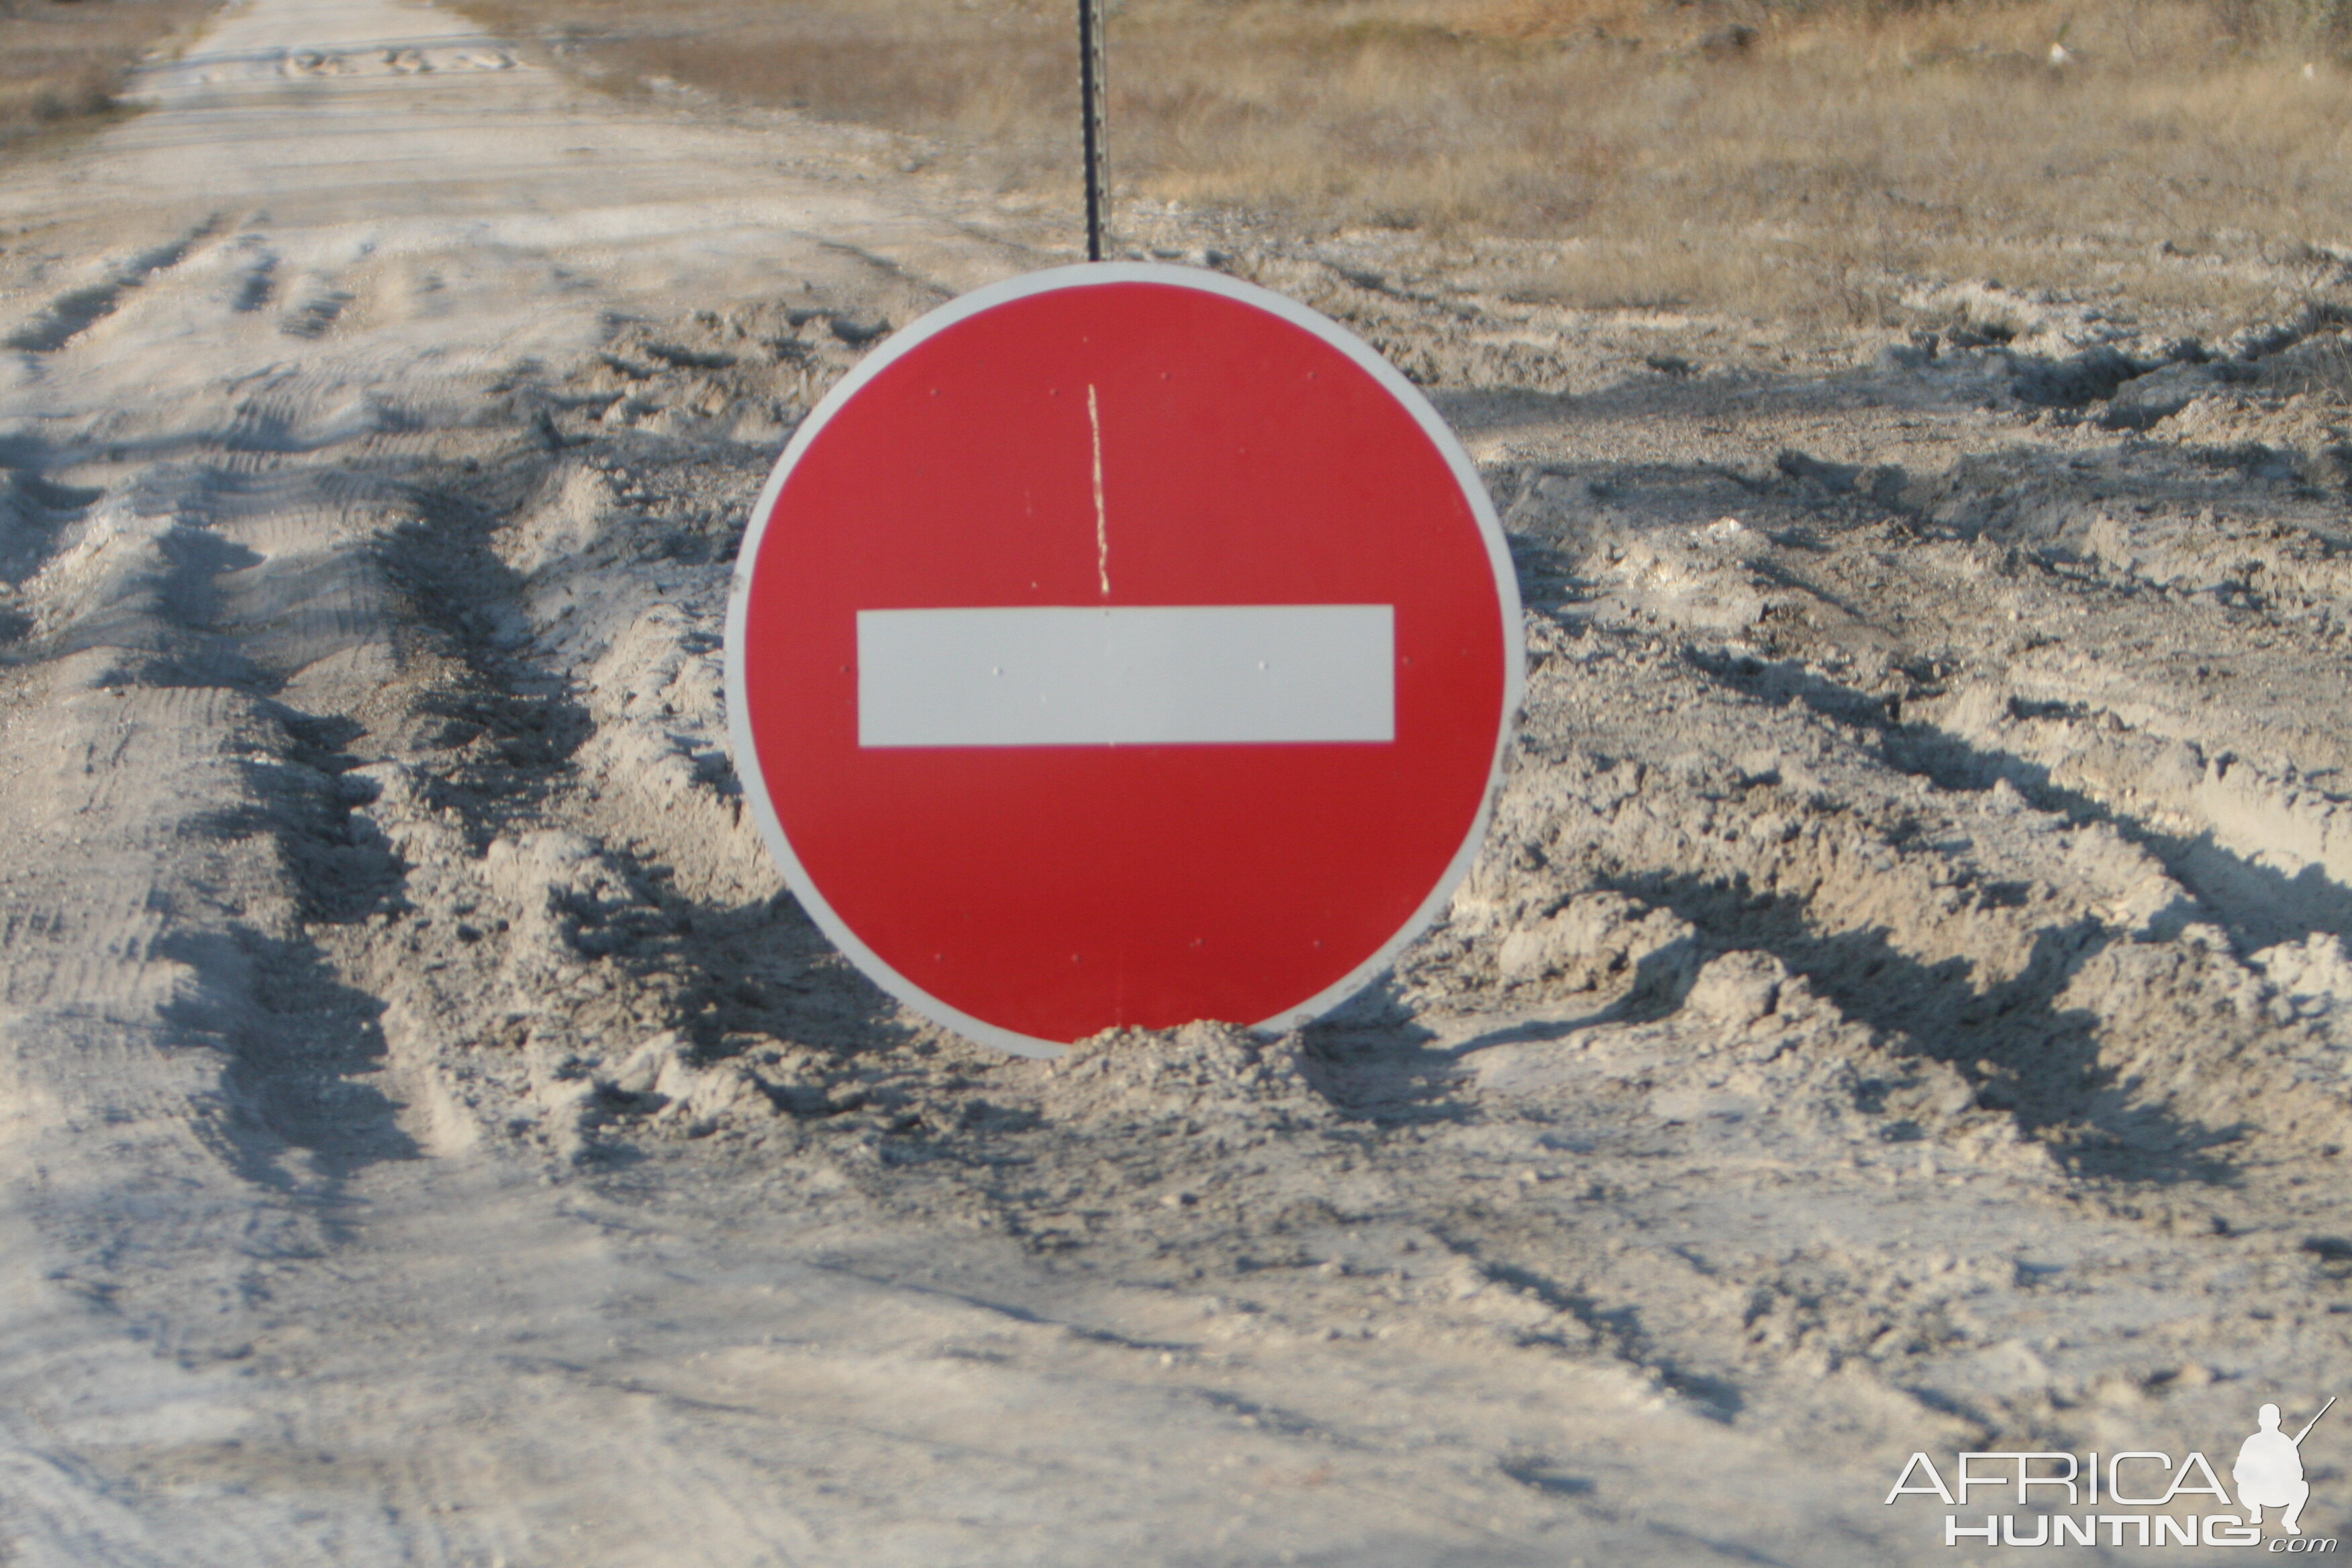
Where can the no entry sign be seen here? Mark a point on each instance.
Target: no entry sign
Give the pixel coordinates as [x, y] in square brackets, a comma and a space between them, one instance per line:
[1122, 645]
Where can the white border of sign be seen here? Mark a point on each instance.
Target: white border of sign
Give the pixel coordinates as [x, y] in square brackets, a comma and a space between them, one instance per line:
[1093, 275]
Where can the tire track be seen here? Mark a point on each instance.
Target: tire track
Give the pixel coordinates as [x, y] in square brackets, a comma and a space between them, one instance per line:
[74, 313]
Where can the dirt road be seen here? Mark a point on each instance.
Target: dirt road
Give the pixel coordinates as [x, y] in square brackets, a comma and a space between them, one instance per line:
[1903, 1006]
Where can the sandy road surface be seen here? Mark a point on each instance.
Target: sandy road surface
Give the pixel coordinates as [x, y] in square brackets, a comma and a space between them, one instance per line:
[1902, 1006]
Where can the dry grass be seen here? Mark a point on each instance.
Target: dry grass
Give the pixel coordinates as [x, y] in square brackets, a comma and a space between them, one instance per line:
[62, 61]
[1767, 158]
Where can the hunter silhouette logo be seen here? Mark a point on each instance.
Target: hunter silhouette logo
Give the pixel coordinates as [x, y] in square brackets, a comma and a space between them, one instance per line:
[2046, 1490]
[2269, 1472]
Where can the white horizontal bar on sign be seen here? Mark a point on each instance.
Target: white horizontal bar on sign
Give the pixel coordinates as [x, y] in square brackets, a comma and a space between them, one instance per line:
[1127, 675]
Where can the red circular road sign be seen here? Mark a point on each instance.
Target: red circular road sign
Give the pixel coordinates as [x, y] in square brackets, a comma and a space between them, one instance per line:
[1122, 645]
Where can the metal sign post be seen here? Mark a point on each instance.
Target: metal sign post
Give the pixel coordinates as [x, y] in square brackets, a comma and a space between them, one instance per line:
[1090, 90]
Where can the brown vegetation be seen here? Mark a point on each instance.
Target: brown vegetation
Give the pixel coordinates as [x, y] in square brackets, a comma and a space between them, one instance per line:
[1819, 158]
[63, 60]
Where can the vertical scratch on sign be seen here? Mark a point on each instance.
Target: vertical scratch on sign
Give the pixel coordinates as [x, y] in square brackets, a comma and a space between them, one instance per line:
[1102, 522]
